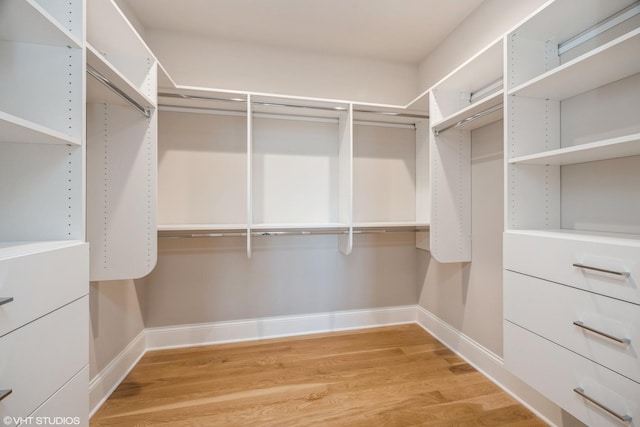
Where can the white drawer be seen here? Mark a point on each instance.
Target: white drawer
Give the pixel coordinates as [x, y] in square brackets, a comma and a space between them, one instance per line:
[549, 310]
[39, 358]
[552, 256]
[69, 406]
[41, 282]
[555, 372]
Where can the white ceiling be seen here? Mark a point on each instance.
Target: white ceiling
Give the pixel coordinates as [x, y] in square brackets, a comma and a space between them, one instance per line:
[394, 30]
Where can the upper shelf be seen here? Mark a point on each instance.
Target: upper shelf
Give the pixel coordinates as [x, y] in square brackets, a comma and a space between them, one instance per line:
[475, 115]
[15, 129]
[26, 21]
[623, 146]
[588, 71]
[116, 78]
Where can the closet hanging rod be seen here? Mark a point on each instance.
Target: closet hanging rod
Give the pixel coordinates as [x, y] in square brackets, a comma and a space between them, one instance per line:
[297, 232]
[470, 119]
[222, 112]
[282, 104]
[486, 91]
[106, 82]
[599, 28]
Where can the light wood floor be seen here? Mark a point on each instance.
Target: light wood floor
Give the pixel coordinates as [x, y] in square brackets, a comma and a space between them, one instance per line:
[392, 376]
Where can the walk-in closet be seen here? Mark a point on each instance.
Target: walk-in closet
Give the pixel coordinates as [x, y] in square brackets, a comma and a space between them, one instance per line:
[331, 212]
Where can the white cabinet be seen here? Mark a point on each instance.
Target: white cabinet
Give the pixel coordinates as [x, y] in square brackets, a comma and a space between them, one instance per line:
[468, 98]
[121, 146]
[34, 375]
[572, 234]
[268, 165]
[43, 257]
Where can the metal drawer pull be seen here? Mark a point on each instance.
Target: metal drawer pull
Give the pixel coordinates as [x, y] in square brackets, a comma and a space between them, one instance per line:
[604, 334]
[5, 393]
[603, 270]
[623, 418]
[6, 300]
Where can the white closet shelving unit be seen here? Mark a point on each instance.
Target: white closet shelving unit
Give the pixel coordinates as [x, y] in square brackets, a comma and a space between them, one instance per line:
[468, 98]
[572, 208]
[271, 165]
[391, 170]
[121, 146]
[43, 256]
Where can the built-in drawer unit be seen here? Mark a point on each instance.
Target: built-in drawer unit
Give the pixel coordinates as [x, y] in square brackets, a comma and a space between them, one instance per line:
[604, 265]
[595, 395]
[599, 328]
[68, 406]
[37, 278]
[40, 357]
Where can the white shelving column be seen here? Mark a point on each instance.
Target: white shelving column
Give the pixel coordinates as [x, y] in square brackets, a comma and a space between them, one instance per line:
[121, 146]
[468, 98]
[249, 173]
[572, 228]
[44, 280]
[345, 178]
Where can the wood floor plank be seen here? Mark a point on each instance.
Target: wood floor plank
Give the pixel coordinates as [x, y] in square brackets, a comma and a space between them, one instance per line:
[393, 376]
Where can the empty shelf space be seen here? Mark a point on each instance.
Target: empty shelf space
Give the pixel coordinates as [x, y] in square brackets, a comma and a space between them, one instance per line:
[17, 130]
[391, 225]
[25, 21]
[299, 226]
[588, 71]
[623, 146]
[201, 227]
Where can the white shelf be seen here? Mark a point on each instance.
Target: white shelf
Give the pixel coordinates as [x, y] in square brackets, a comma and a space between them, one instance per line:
[391, 224]
[17, 249]
[113, 75]
[601, 150]
[25, 21]
[299, 226]
[485, 104]
[15, 129]
[610, 62]
[201, 227]
[582, 235]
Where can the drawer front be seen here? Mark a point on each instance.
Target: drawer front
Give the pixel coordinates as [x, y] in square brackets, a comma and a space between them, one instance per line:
[550, 310]
[555, 372]
[553, 258]
[69, 406]
[40, 283]
[39, 358]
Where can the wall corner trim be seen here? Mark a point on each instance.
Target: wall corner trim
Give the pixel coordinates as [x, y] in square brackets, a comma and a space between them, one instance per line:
[489, 364]
[106, 381]
[485, 361]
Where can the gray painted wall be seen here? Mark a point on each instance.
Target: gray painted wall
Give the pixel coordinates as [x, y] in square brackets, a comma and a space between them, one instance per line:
[208, 280]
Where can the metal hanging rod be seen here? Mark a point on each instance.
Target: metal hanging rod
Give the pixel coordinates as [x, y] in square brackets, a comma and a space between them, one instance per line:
[487, 90]
[602, 26]
[266, 233]
[283, 104]
[470, 119]
[218, 111]
[102, 79]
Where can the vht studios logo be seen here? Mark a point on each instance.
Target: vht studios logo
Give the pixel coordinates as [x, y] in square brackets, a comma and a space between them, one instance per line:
[41, 421]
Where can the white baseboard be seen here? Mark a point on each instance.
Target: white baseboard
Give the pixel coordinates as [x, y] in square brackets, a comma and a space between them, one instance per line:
[489, 364]
[485, 361]
[274, 327]
[105, 383]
